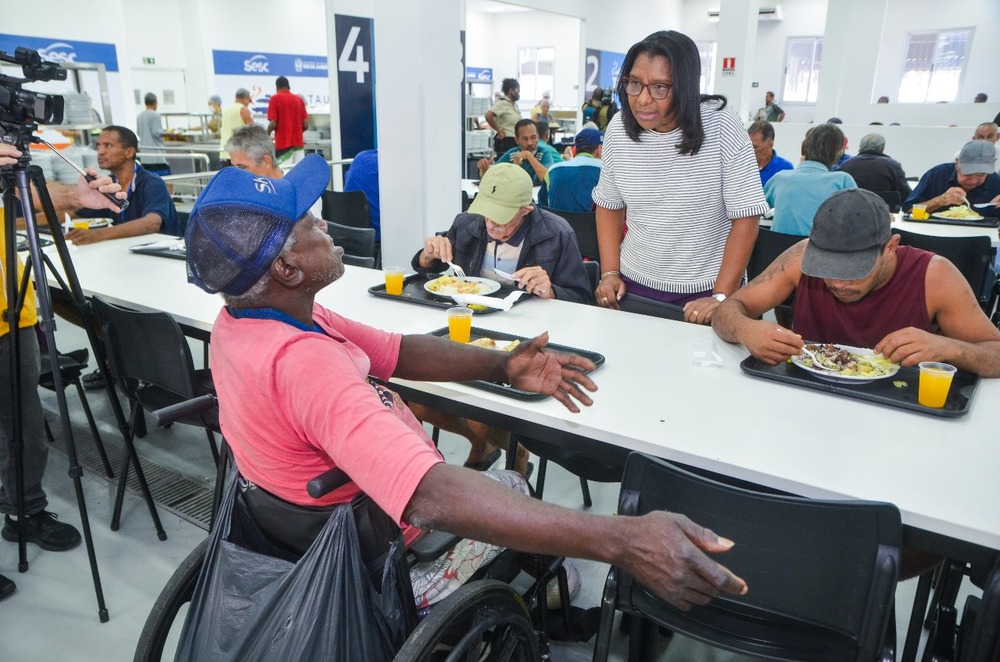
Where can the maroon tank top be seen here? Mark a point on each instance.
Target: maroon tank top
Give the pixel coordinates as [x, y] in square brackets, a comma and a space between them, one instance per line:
[902, 302]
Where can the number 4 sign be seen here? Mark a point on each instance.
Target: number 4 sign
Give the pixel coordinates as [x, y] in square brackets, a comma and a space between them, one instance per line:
[355, 83]
[358, 65]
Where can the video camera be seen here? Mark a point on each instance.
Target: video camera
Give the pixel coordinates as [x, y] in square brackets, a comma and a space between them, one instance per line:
[21, 106]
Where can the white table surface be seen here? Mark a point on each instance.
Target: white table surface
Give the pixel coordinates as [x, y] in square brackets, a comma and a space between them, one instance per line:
[942, 230]
[941, 473]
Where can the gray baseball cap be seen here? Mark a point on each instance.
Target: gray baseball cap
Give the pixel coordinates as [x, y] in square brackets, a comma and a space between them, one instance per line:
[978, 157]
[848, 233]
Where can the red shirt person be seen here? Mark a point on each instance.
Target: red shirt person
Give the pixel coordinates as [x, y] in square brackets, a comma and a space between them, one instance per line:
[287, 120]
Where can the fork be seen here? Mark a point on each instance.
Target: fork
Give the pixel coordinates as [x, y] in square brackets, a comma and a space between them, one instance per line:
[816, 361]
[459, 271]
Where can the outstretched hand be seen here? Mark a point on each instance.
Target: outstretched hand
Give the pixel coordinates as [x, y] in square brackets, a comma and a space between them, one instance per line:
[668, 557]
[531, 367]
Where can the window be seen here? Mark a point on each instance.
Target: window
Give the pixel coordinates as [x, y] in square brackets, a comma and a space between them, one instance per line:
[535, 67]
[706, 49]
[802, 64]
[935, 62]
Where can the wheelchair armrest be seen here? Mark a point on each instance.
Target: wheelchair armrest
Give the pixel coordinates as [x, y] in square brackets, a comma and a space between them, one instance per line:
[433, 545]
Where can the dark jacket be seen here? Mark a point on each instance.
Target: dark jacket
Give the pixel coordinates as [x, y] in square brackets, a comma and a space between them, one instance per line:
[549, 244]
[878, 173]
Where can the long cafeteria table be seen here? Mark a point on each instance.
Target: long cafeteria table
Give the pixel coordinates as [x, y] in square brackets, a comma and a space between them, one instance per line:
[655, 398]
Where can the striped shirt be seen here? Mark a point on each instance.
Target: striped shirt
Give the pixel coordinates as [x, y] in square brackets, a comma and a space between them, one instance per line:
[680, 208]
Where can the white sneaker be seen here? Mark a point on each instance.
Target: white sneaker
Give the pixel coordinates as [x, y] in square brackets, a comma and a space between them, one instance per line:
[552, 597]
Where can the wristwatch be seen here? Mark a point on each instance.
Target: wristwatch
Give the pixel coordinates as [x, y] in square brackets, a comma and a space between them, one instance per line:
[719, 296]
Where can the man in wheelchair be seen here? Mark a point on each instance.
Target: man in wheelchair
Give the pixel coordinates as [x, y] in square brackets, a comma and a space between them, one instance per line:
[297, 398]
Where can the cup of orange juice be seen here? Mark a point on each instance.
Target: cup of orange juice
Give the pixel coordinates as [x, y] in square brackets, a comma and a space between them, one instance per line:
[460, 324]
[394, 280]
[919, 212]
[81, 225]
[935, 382]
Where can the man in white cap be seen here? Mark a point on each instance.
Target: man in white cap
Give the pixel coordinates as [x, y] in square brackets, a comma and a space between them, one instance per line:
[971, 178]
[855, 285]
[295, 399]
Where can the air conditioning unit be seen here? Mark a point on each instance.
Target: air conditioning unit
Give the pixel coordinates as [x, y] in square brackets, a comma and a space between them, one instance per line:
[775, 13]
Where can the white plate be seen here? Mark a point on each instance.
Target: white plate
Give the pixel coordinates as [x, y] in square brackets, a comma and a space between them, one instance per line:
[486, 286]
[941, 216]
[95, 223]
[842, 379]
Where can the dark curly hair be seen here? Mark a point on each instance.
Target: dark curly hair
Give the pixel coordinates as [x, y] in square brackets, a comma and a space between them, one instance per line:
[685, 65]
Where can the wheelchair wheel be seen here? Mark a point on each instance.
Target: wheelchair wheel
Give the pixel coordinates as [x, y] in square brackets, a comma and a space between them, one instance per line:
[177, 593]
[483, 620]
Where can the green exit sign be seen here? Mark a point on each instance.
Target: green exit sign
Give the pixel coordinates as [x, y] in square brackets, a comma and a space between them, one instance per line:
[149, 60]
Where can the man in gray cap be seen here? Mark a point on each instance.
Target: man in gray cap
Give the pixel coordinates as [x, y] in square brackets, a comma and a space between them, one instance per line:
[855, 285]
[295, 397]
[971, 178]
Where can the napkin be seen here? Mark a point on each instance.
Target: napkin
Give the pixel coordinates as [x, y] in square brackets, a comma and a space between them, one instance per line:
[489, 302]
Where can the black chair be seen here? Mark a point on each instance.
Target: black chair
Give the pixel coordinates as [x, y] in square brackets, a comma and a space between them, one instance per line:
[150, 362]
[584, 224]
[359, 242]
[347, 208]
[822, 574]
[466, 201]
[71, 368]
[633, 303]
[766, 249]
[891, 198]
[357, 261]
[587, 459]
[973, 256]
[593, 270]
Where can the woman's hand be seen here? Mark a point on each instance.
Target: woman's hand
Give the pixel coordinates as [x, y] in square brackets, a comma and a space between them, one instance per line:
[610, 291]
[701, 311]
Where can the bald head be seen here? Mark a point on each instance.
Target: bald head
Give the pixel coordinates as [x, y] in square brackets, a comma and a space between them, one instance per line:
[986, 131]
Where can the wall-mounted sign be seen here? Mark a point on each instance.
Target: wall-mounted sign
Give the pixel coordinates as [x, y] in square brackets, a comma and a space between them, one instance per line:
[728, 66]
[272, 64]
[356, 83]
[63, 50]
[602, 69]
[481, 74]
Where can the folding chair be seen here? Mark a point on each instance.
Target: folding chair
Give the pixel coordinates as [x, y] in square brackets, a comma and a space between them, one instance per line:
[347, 208]
[584, 224]
[822, 574]
[973, 256]
[151, 363]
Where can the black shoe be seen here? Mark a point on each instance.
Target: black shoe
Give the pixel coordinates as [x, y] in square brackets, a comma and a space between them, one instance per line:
[93, 381]
[7, 587]
[43, 529]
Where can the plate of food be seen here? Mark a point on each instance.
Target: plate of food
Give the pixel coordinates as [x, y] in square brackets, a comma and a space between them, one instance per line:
[845, 364]
[93, 223]
[961, 213]
[446, 286]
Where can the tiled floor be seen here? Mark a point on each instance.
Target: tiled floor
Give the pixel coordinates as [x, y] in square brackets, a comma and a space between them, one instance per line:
[53, 614]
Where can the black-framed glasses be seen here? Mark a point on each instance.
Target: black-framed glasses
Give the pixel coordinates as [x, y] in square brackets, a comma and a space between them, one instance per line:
[658, 91]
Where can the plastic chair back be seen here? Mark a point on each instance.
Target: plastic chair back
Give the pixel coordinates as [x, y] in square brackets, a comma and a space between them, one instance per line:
[593, 270]
[891, 198]
[973, 256]
[348, 208]
[768, 246]
[633, 303]
[584, 224]
[359, 242]
[822, 574]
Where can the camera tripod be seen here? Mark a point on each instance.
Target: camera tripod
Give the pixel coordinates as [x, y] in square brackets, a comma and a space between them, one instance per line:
[16, 178]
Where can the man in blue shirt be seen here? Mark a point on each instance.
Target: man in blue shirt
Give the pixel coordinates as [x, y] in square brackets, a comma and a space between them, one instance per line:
[797, 194]
[150, 208]
[571, 183]
[363, 176]
[972, 177]
[769, 163]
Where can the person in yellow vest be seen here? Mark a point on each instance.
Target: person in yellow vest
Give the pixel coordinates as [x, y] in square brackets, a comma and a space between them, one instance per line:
[40, 526]
[234, 116]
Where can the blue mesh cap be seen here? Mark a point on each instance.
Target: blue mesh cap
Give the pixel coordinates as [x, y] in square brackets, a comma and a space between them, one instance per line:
[240, 222]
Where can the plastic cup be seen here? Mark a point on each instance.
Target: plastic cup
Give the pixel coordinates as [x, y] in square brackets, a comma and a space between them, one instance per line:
[460, 324]
[81, 225]
[394, 280]
[919, 212]
[935, 382]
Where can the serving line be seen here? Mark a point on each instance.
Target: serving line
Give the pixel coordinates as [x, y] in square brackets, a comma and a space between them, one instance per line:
[654, 398]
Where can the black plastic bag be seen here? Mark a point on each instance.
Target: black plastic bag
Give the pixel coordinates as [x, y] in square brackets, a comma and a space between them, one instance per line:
[249, 605]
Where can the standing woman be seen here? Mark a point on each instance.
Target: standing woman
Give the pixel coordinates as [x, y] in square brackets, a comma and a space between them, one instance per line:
[503, 115]
[680, 169]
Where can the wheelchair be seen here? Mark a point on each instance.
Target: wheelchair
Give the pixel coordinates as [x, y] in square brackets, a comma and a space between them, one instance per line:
[485, 619]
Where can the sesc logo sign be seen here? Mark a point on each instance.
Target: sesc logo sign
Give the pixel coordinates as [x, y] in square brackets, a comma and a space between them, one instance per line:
[60, 51]
[257, 64]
